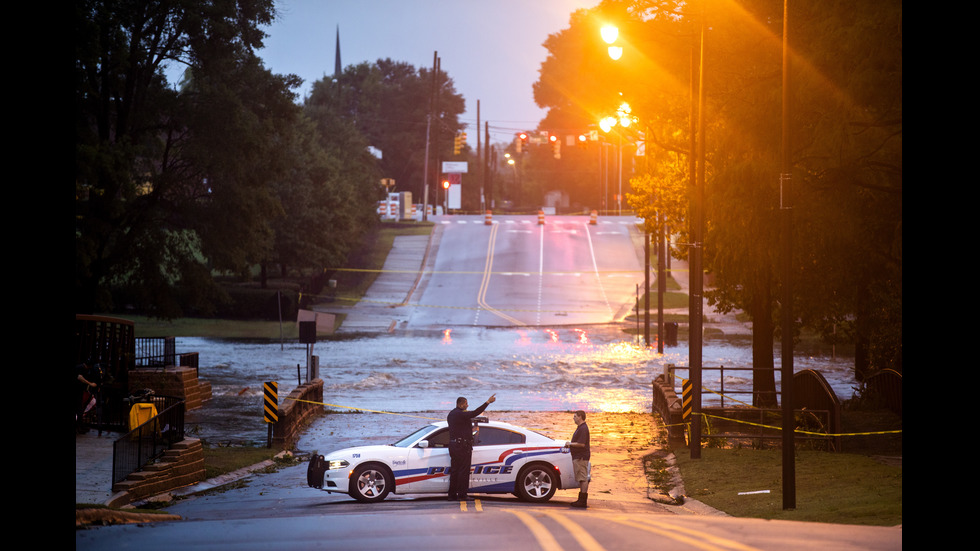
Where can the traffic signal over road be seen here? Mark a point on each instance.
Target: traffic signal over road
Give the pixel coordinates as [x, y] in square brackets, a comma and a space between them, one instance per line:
[555, 145]
[458, 142]
[521, 141]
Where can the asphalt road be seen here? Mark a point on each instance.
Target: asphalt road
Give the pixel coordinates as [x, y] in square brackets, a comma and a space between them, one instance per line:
[278, 510]
[517, 271]
[513, 272]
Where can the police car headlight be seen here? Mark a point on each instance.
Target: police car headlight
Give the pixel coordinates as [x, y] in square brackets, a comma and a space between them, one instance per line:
[337, 464]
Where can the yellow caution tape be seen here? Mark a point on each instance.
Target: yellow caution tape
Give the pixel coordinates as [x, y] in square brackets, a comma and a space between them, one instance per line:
[796, 431]
[362, 409]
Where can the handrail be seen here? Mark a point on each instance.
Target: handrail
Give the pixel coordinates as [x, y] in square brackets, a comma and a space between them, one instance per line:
[150, 439]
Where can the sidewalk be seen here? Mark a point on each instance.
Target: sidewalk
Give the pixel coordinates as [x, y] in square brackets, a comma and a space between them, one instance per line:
[385, 304]
[93, 467]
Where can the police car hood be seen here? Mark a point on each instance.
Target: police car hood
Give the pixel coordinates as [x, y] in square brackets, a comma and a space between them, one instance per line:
[379, 450]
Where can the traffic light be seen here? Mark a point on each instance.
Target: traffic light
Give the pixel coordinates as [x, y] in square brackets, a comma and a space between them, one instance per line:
[555, 145]
[445, 184]
[521, 141]
[458, 142]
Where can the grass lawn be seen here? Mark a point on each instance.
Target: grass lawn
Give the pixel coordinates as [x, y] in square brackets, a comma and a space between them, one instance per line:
[840, 488]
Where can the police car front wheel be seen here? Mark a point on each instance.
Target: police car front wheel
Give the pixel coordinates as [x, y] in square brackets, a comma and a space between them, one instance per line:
[370, 483]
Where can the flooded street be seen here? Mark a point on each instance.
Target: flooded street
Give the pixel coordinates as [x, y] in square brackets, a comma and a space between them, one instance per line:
[597, 369]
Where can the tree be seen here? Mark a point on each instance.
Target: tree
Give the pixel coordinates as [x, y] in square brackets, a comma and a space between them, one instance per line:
[846, 94]
[323, 212]
[850, 159]
[847, 150]
[388, 103]
[170, 185]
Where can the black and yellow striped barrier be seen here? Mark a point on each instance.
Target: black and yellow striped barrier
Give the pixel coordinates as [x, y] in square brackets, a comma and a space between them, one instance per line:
[271, 403]
[687, 400]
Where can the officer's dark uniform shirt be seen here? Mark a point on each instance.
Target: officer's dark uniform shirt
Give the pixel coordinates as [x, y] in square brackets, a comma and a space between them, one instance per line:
[581, 436]
[459, 422]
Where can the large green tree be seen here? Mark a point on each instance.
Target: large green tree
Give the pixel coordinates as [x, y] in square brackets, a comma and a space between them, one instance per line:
[171, 183]
[388, 103]
[849, 159]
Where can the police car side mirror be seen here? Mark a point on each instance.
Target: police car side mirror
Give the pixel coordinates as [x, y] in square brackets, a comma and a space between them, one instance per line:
[424, 444]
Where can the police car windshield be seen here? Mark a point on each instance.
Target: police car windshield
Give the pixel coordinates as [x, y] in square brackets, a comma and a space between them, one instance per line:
[408, 440]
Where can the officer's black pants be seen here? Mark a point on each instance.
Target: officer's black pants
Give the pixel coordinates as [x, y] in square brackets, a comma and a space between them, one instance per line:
[460, 455]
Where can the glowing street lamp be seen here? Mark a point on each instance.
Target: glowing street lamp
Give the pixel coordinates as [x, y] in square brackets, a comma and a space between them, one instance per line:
[607, 123]
[609, 35]
[623, 118]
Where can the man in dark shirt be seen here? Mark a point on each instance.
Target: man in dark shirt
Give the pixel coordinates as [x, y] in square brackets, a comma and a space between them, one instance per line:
[579, 446]
[461, 446]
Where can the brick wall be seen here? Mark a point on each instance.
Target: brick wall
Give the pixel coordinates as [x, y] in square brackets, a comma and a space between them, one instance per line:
[180, 382]
[181, 465]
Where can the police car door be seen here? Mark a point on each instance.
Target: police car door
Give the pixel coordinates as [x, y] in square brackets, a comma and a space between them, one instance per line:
[494, 449]
[428, 467]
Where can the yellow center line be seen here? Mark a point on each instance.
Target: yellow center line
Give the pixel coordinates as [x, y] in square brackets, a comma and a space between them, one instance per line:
[696, 538]
[482, 295]
[544, 537]
[580, 534]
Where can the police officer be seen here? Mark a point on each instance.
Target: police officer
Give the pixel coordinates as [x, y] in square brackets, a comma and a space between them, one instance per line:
[461, 446]
[581, 454]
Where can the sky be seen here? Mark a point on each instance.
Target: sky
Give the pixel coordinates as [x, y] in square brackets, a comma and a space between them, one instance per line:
[492, 50]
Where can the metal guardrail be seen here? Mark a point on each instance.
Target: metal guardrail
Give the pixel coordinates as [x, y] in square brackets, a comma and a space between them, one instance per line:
[817, 408]
[149, 440]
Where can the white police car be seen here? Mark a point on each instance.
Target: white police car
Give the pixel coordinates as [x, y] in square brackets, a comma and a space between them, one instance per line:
[507, 459]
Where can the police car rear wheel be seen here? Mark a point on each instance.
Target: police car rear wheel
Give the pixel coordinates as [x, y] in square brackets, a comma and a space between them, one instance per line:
[536, 483]
[370, 483]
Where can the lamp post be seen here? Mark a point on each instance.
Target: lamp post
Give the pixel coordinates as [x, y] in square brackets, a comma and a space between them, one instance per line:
[610, 34]
[624, 118]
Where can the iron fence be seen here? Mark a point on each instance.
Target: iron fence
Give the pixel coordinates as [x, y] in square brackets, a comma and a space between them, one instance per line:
[149, 440]
[155, 351]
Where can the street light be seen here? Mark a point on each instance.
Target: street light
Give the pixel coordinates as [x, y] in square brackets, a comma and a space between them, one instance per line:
[624, 117]
[609, 34]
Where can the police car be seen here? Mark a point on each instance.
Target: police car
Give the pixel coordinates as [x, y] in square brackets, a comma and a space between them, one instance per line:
[507, 459]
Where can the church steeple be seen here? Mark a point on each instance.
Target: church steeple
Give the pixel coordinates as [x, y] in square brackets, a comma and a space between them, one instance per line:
[337, 69]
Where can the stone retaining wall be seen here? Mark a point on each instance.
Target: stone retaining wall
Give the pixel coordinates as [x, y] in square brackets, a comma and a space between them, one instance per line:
[666, 403]
[302, 404]
[181, 465]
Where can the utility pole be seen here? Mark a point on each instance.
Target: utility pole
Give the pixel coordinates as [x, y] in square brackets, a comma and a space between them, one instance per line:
[428, 134]
[697, 268]
[786, 215]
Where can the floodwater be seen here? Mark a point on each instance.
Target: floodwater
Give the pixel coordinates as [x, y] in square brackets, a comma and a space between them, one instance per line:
[597, 369]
